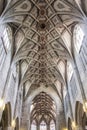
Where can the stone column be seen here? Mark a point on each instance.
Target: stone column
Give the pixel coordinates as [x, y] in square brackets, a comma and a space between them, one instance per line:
[29, 120]
[68, 94]
[48, 126]
[78, 81]
[38, 126]
[60, 120]
[57, 124]
[30, 126]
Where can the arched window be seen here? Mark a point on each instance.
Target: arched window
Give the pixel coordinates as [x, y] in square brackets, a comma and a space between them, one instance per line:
[69, 71]
[6, 36]
[78, 37]
[80, 43]
[33, 125]
[43, 125]
[52, 125]
[5, 39]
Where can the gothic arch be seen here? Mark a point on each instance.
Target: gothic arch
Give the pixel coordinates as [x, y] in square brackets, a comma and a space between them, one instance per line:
[52, 124]
[69, 124]
[78, 113]
[84, 121]
[52, 94]
[43, 120]
[17, 124]
[80, 116]
[53, 121]
[45, 124]
[43, 103]
[6, 116]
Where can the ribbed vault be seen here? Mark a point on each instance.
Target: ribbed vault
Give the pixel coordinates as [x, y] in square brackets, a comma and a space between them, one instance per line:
[39, 46]
[38, 28]
[44, 108]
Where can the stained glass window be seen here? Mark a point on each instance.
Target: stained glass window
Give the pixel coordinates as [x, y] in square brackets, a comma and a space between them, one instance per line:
[43, 125]
[33, 125]
[52, 125]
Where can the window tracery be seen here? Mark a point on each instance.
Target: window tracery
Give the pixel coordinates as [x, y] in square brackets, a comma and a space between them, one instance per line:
[52, 125]
[5, 44]
[33, 125]
[43, 125]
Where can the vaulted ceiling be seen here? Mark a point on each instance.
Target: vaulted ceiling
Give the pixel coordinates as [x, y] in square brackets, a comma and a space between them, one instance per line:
[43, 108]
[39, 43]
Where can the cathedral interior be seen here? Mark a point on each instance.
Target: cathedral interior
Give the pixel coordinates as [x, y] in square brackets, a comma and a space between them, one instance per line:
[43, 64]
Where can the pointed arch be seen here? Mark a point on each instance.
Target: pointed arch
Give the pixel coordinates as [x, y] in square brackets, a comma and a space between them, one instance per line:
[6, 116]
[52, 125]
[33, 125]
[52, 94]
[43, 125]
[17, 124]
[78, 113]
[69, 124]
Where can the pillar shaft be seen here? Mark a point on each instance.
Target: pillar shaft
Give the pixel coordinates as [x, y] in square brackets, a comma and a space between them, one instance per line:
[68, 94]
[78, 81]
[38, 127]
[48, 126]
[57, 122]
